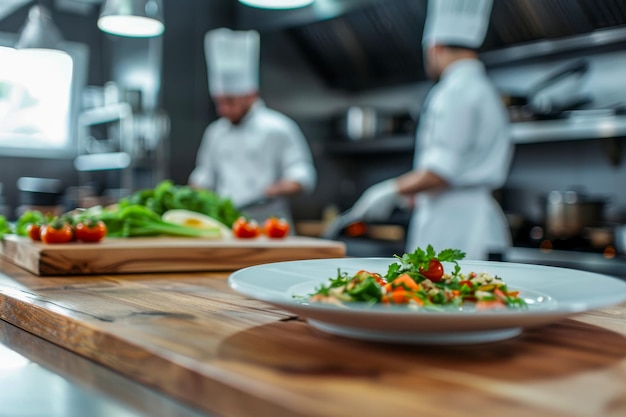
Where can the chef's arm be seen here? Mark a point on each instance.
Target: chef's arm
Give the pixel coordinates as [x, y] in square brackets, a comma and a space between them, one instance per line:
[416, 181]
[284, 187]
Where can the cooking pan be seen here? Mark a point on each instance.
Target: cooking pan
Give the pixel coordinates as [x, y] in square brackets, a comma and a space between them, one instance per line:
[552, 95]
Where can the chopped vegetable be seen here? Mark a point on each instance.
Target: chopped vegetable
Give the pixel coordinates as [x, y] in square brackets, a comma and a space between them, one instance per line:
[196, 220]
[138, 220]
[140, 214]
[419, 279]
[29, 217]
[168, 196]
[5, 227]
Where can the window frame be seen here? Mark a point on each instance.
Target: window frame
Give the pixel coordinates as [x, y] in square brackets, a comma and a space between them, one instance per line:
[79, 53]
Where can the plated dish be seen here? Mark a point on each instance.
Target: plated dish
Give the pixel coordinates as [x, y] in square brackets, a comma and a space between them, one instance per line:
[550, 294]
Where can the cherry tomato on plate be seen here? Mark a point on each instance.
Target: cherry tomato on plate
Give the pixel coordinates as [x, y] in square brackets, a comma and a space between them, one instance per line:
[434, 271]
[57, 232]
[90, 230]
[275, 227]
[34, 231]
[246, 229]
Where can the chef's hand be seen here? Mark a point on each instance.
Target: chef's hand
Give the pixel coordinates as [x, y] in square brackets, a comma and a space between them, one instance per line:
[283, 187]
[377, 202]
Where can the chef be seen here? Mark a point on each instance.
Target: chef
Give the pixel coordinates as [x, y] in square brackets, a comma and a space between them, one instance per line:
[463, 148]
[250, 153]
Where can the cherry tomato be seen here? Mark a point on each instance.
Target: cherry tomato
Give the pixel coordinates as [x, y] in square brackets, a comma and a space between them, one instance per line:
[434, 271]
[91, 230]
[34, 231]
[381, 281]
[57, 232]
[275, 227]
[244, 228]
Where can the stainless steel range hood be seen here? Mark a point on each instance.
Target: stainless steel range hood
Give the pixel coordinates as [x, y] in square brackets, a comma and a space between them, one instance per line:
[378, 43]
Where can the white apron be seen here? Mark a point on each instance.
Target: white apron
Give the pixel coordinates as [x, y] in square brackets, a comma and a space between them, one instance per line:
[466, 219]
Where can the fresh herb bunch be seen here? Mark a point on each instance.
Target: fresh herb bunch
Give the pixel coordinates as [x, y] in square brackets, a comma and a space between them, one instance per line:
[168, 196]
[30, 217]
[5, 226]
[420, 259]
[140, 213]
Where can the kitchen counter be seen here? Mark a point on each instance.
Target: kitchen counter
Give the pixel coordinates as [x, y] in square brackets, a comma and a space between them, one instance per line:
[40, 379]
[194, 340]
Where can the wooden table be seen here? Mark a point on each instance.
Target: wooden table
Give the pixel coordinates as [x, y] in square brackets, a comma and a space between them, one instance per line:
[191, 337]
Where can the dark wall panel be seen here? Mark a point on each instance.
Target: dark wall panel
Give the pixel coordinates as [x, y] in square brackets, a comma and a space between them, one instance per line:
[185, 94]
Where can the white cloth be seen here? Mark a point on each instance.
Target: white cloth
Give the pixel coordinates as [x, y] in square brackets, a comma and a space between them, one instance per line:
[232, 59]
[457, 22]
[241, 161]
[377, 202]
[464, 138]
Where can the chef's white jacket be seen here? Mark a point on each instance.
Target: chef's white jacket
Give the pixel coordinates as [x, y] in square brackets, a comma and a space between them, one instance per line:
[241, 161]
[464, 138]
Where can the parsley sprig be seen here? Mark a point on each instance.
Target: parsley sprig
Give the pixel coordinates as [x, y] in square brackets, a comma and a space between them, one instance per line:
[420, 258]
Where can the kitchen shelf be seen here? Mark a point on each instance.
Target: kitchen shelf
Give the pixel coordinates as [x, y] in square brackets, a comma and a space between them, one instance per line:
[119, 157]
[572, 128]
[567, 129]
[392, 144]
[107, 114]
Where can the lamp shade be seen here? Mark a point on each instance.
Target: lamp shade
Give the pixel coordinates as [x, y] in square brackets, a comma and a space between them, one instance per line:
[277, 4]
[132, 18]
[39, 31]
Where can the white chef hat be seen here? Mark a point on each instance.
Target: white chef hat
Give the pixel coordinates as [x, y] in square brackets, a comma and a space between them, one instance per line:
[457, 22]
[232, 61]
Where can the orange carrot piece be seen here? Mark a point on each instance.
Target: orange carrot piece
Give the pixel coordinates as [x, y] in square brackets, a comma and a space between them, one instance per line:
[400, 297]
[487, 305]
[407, 281]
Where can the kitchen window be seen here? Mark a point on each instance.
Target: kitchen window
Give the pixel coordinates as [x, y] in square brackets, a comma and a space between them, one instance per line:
[40, 94]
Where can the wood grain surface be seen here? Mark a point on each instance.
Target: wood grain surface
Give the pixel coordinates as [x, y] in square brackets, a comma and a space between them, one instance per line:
[191, 337]
[161, 254]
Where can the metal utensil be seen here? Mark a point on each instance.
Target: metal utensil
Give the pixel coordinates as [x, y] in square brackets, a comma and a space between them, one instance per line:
[342, 221]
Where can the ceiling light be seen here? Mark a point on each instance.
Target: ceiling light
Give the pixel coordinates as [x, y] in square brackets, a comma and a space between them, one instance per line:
[133, 18]
[39, 31]
[277, 4]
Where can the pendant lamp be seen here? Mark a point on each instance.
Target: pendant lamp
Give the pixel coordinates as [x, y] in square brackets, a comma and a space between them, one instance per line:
[277, 4]
[132, 18]
[39, 31]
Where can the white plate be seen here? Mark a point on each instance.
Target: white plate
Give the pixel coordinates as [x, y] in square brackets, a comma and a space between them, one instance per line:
[551, 293]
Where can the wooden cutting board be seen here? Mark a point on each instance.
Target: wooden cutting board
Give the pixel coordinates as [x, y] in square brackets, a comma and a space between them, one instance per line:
[161, 254]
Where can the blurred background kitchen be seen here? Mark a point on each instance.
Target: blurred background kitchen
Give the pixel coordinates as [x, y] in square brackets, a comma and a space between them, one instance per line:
[132, 110]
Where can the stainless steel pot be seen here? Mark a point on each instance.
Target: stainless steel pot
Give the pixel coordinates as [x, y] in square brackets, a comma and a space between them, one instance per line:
[568, 213]
[362, 123]
[366, 123]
